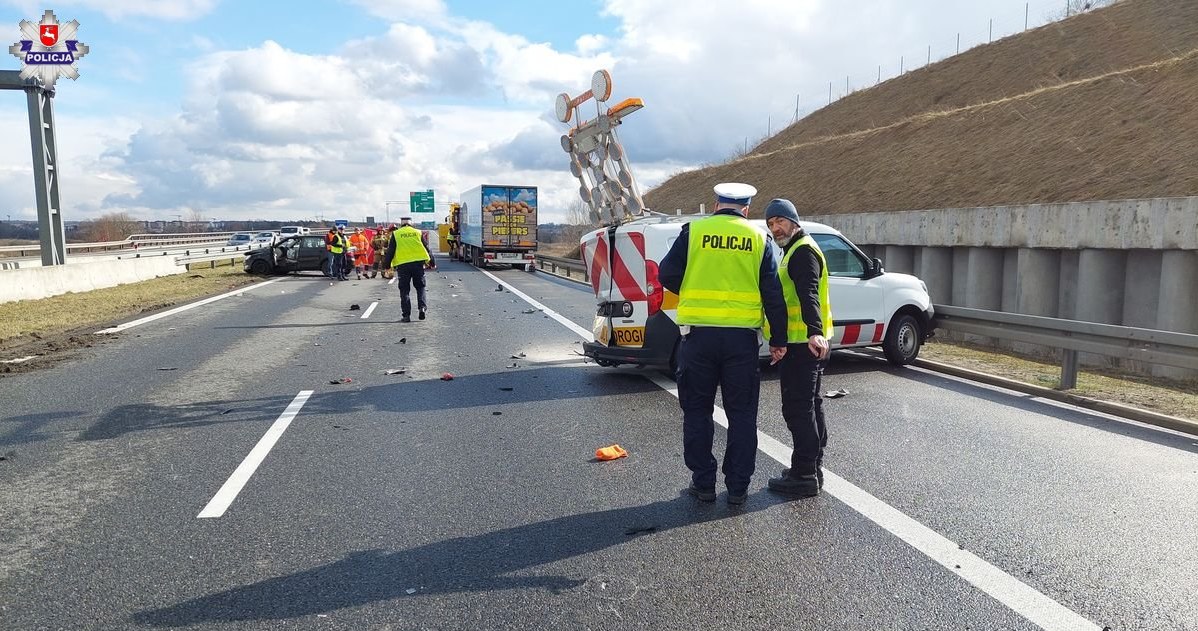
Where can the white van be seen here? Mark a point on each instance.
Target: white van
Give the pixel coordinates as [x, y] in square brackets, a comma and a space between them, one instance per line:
[291, 231]
[636, 323]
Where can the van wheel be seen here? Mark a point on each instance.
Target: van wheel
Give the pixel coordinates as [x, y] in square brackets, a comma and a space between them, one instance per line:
[903, 340]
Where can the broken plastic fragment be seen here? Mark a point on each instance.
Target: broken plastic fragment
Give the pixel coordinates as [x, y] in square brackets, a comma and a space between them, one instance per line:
[519, 356]
[611, 452]
[395, 371]
[836, 394]
[168, 368]
[447, 377]
[341, 381]
[354, 307]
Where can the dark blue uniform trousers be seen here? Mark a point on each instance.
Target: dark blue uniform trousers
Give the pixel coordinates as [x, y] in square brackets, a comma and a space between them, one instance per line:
[725, 357]
[799, 375]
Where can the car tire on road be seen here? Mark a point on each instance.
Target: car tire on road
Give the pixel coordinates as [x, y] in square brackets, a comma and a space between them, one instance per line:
[260, 267]
[903, 340]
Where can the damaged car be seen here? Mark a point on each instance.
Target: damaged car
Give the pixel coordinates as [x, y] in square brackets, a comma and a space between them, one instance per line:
[302, 253]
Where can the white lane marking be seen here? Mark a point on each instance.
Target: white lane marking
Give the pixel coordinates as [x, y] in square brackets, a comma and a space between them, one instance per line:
[370, 309]
[392, 281]
[158, 316]
[563, 320]
[1020, 597]
[229, 490]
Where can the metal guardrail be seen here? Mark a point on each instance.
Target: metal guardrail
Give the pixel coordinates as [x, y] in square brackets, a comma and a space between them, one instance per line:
[563, 267]
[1167, 348]
[131, 242]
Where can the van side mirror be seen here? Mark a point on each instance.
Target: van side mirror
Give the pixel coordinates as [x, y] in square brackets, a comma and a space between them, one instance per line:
[877, 269]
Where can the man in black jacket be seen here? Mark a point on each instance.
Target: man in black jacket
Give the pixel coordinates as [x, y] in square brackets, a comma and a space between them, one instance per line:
[804, 276]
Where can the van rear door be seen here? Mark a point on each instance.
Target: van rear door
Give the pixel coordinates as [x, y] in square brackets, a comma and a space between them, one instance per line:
[615, 258]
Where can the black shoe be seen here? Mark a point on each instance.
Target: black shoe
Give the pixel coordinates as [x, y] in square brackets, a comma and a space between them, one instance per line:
[798, 486]
[737, 499]
[702, 494]
[819, 474]
[405, 319]
[421, 316]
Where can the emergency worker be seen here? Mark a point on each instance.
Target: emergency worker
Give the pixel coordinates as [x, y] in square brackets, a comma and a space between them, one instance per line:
[804, 277]
[379, 245]
[408, 255]
[724, 272]
[336, 245]
[361, 247]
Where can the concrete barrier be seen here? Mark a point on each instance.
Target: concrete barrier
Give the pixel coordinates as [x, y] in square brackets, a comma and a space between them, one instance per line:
[1128, 262]
[42, 282]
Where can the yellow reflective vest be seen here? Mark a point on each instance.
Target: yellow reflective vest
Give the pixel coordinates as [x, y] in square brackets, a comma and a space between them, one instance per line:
[336, 245]
[796, 328]
[409, 247]
[722, 282]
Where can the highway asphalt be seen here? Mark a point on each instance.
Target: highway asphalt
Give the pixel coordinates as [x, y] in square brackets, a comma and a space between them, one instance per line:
[406, 501]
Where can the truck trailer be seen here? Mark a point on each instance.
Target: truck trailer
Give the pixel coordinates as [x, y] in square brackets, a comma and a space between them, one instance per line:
[499, 225]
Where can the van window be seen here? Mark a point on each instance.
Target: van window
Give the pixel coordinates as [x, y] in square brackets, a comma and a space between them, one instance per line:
[842, 258]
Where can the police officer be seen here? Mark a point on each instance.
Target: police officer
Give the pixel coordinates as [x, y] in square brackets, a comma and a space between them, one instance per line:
[724, 272]
[804, 276]
[408, 254]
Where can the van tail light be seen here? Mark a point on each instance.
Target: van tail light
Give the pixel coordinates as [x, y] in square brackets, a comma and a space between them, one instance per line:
[653, 289]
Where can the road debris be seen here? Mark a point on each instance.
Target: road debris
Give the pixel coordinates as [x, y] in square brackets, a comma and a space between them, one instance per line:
[496, 413]
[395, 371]
[403, 340]
[499, 288]
[507, 389]
[514, 365]
[355, 307]
[226, 411]
[836, 394]
[637, 530]
[519, 356]
[611, 452]
[447, 377]
[168, 368]
[342, 380]
[410, 590]
[529, 311]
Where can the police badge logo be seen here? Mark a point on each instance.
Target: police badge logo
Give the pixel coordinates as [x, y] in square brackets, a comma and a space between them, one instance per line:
[49, 50]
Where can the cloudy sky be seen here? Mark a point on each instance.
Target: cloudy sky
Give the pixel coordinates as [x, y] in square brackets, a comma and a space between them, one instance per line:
[285, 111]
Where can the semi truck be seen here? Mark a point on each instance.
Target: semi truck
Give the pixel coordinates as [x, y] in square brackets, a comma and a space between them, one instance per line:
[498, 225]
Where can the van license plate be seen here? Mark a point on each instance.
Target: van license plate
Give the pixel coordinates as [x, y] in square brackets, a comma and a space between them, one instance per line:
[630, 336]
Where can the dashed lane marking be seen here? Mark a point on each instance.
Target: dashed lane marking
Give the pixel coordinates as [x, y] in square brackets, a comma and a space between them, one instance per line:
[229, 490]
[370, 309]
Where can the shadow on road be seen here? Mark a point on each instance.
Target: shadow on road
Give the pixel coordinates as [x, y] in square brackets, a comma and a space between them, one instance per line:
[482, 391]
[491, 561]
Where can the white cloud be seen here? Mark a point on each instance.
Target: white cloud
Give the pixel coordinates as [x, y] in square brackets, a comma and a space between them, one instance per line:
[439, 102]
[405, 10]
[176, 10]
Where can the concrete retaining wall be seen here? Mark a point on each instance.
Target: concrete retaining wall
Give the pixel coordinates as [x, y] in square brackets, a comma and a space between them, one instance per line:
[1131, 262]
[42, 282]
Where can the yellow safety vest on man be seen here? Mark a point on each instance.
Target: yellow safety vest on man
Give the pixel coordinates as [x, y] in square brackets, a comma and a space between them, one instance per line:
[796, 328]
[409, 247]
[336, 244]
[722, 282]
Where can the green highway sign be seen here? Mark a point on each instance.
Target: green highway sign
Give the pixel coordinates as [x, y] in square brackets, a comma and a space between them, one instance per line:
[421, 201]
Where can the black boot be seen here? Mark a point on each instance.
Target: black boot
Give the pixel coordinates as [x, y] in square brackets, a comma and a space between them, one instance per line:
[795, 485]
